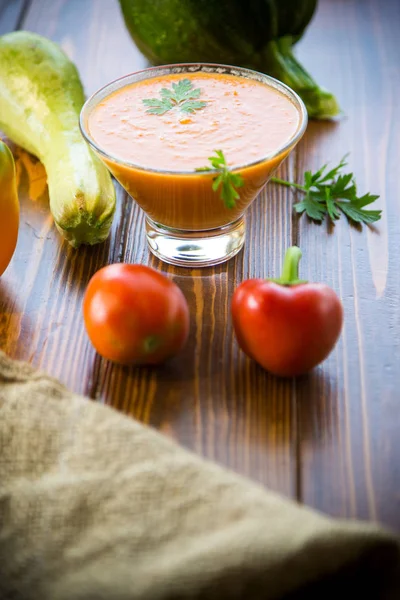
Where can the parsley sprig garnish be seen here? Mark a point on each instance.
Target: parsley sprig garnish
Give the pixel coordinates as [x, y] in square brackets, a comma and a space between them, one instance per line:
[182, 95]
[332, 193]
[226, 179]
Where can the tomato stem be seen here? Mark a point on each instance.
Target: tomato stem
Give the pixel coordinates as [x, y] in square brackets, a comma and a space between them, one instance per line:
[290, 271]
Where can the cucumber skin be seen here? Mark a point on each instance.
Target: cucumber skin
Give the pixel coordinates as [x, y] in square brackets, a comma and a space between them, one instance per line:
[257, 34]
[41, 96]
[224, 31]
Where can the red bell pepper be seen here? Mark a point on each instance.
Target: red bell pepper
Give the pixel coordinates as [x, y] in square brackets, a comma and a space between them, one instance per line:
[287, 325]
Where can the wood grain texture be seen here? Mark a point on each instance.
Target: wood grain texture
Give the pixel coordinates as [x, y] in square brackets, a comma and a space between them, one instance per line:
[211, 398]
[356, 470]
[331, 438]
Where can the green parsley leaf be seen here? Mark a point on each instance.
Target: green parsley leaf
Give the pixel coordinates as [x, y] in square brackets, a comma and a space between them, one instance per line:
[356, 212]
[226, 180]
[313, 209]
[182, 95]
[330, 193]
[333, 212]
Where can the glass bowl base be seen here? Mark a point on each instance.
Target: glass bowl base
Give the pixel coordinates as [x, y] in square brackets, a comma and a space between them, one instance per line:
[195, 248]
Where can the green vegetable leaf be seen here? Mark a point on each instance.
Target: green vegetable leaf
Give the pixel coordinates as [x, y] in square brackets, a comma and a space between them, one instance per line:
[311, 207]
[333, 212]
[226, 180]
[321, 178]
[191, 106]
[158, 107]
[182, 95]
[330, 193]
[356, 212]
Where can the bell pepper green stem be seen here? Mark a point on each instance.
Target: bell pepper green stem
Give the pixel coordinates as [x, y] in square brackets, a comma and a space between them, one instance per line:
[290, 271]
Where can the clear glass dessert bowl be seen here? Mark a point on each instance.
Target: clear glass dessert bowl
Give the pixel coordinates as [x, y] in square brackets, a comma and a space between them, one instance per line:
[187, 223]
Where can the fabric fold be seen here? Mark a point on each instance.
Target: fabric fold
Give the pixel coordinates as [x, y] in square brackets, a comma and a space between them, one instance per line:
[94, 505]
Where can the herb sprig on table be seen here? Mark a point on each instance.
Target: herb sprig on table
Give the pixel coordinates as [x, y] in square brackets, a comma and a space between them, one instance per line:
[330, 193]
[182, 95]
[226, 180]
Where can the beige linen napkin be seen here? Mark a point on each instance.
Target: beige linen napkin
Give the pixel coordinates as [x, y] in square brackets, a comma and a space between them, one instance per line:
[94, 505]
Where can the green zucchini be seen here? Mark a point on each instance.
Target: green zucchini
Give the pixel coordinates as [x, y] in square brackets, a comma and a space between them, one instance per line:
[41, 96]
[258, 34]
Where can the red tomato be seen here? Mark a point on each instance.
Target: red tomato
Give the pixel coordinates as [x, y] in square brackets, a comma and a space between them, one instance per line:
[287, 328]
[134, 314]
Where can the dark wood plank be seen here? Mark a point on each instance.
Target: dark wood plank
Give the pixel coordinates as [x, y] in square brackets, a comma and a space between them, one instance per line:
[93, 35]
[349, 417]
[211, 398]
[330, 437]
[41, 292]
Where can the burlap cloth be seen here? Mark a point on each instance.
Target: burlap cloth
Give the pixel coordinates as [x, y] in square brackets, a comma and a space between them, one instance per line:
[94, 505]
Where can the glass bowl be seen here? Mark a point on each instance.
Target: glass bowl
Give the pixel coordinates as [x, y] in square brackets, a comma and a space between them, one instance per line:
[185, 225]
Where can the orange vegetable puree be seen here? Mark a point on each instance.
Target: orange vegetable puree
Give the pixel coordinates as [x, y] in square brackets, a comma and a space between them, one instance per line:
[245, 118]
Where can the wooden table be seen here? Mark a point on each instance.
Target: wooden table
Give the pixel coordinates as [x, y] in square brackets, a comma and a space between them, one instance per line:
[331, 439]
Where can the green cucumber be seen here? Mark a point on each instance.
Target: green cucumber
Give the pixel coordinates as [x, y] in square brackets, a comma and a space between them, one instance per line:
[258, 34]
